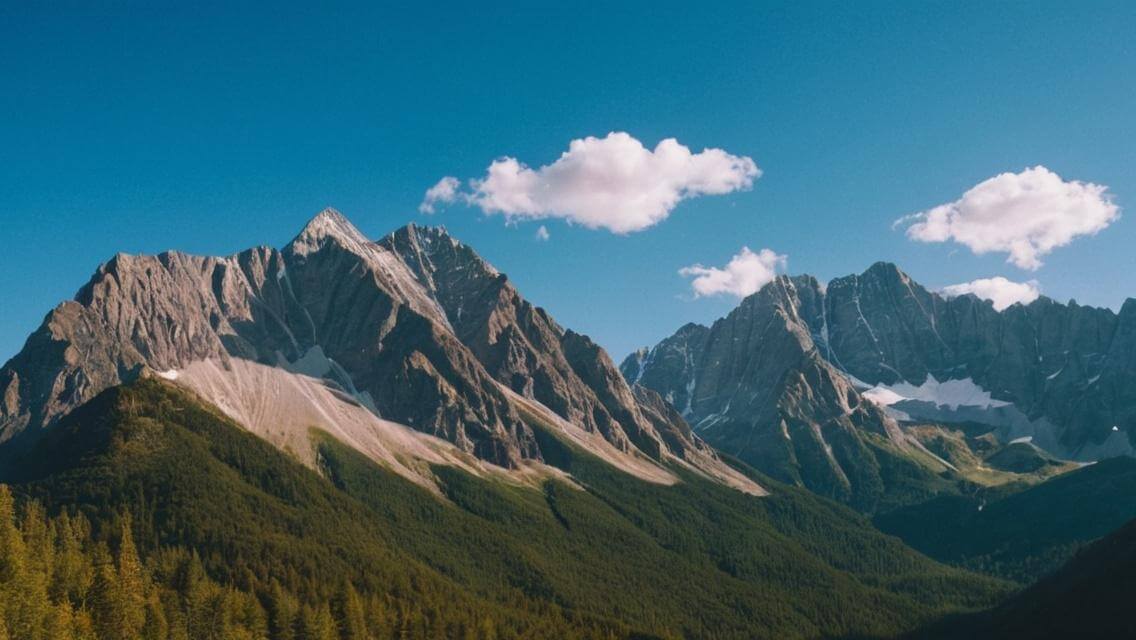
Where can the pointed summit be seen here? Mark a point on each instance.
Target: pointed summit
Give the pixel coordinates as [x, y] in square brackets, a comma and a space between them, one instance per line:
[328, 223]
[886, 271]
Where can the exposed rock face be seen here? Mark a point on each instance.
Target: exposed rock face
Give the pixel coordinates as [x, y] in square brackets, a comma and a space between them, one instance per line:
[522, 347]
[157, 311]
[1062, 374]
[417, 328]
[755, 385]
[1064, 367]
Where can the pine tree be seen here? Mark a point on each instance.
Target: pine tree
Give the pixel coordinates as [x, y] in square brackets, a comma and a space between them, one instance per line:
[316, 623]
[23, 586]
[72, 572]
[282, 612]
[106, 613]
[156, 626]
[131, 591]
[205, 611]
[350, 618]
[60, 624]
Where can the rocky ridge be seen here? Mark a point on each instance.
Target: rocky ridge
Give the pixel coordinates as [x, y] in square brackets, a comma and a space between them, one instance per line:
[416, 328]
[1061, 375]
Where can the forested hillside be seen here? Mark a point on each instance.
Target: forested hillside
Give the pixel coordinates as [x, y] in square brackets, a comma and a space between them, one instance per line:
[1021, 533]
[280, 551]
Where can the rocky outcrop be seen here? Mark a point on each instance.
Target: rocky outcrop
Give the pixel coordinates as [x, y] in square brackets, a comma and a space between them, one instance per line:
[522, 347]
[147, 311]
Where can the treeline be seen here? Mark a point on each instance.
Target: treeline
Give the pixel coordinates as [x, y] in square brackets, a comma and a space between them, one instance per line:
[57, 582]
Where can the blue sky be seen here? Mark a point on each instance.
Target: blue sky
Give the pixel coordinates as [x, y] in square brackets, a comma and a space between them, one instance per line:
[140, 127]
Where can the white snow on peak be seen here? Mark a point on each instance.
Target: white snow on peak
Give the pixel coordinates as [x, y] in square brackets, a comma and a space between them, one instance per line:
[1023, 439]
[883, 396]
[949, 393]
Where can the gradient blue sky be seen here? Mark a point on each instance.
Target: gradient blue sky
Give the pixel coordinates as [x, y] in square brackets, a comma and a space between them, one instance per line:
[201, 127]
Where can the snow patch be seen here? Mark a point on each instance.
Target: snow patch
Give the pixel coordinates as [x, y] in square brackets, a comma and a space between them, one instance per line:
[172, 374]
[949, 393]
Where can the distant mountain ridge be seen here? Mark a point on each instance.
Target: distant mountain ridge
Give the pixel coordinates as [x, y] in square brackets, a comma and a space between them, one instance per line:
[770, 381]
[417, 329]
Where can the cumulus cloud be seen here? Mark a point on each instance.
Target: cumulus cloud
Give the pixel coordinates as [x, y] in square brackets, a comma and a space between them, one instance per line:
[444, 192]
[1002, 292]
[612, 183]
[745, 273]
[542, 233]
[1025, 215]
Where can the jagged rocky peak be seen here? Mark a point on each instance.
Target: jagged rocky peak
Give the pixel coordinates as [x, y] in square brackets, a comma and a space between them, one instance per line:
[754, 385]
[1049, 371]
[416, 328]
[523, 348]
[632, 365]
[160, 312]
[453, 273]
[328, 224]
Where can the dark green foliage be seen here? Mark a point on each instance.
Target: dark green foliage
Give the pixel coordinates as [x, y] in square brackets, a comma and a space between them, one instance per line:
[1090, 597]
[254, 519]
[1021, 457]
[1021, 533]
[694, 559]
[220, 516]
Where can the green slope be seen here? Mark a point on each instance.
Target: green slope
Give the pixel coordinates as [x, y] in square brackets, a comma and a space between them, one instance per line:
[1089, 597]
[1021, 532]
[610, 556]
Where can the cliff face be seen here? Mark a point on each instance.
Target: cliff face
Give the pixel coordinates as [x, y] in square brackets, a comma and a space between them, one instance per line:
[756, 386]
[1064, 368]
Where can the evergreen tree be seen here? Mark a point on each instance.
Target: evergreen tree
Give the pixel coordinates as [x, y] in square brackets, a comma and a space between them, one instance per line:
[349, 614]
[316, 623]
[60, 623]
[131, 585]
[156, 626]
[72, 572]
[106, 611]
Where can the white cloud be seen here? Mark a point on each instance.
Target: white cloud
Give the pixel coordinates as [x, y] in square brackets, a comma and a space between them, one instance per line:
[1002, 292]
[542, 234]
[745, 273]
[612, 183]
[444, 192]
[1026, 215]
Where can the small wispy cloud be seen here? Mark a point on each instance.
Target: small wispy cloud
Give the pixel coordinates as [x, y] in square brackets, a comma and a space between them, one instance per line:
[1002, 292]
[444, 191]
[746, 273]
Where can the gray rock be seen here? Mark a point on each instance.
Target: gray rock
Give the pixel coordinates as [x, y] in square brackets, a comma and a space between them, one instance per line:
[417, 327]
[785, 356]
[756, 386]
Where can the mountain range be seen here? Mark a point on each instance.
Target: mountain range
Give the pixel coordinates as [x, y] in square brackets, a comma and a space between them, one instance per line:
[384, 343]
[391, 422]
[808, 381]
